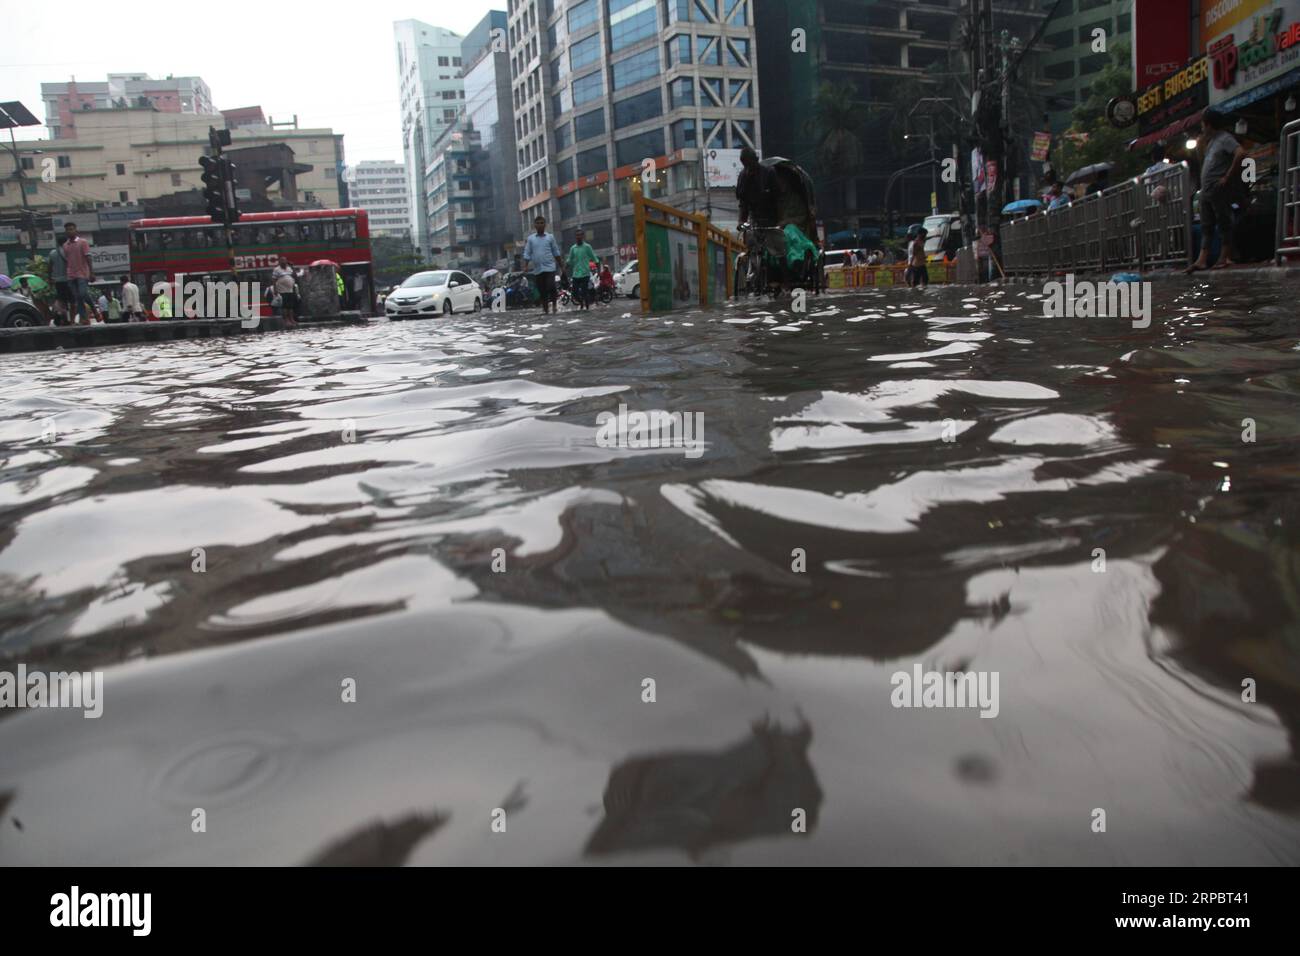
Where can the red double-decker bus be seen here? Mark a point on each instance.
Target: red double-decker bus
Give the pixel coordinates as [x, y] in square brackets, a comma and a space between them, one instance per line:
[194, 246]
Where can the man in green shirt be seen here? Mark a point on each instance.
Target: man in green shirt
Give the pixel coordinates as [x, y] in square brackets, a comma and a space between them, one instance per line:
[580, 260]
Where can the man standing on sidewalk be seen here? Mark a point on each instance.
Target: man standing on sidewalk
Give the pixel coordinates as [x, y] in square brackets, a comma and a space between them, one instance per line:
[131, 307]
[542, 258]
[76, 252]
[579, 261]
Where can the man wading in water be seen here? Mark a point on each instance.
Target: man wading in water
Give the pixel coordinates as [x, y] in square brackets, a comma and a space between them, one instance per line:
[542, 255]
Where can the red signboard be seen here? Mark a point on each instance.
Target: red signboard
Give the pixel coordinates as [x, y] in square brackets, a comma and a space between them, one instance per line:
[1162, 39]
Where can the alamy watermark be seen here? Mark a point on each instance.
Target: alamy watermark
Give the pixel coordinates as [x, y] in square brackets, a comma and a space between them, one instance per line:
[653, 429]
[1100, 300]
[208, 299]
[946, 689]
[54, 689]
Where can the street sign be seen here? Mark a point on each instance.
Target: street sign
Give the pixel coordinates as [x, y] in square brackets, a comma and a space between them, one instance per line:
[721, 168]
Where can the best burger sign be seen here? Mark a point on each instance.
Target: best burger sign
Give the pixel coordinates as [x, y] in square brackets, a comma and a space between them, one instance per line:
[1249, 42]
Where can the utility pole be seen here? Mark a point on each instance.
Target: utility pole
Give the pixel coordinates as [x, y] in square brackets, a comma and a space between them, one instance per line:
[29, 218]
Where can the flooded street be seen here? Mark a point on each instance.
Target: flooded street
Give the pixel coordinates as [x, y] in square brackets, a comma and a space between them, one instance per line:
[241, 533]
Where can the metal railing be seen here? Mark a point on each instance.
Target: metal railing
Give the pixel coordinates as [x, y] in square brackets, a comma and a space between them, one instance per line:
[1288, 192]
[1141, 223]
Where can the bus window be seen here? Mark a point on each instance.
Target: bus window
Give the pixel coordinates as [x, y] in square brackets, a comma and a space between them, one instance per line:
[278, 235]
[165, 239]
[310, 231]
[345, 229]
[143, 241]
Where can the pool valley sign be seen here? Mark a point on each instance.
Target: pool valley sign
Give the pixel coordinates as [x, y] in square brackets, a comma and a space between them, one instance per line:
[1175, 97]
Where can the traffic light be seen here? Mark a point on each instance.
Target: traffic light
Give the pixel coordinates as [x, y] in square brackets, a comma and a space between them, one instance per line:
[219, 189]
[214, 187]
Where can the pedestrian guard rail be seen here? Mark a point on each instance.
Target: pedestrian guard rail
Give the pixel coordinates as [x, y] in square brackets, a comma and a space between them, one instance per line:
[1288, 193]
[684, 259]
[1142, 223]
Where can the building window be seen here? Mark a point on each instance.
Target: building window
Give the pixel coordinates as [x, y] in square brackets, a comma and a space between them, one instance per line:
[742, 133]
[569, 206]
[123, 196]
[563, 137]
[601, 234]
[584, 52]
[738, 93]
[65, 162]
[560, 103]
[595, 198]
[27, 163]
[587, 88]
[631, 21]
[635, 69]
[589, 124]
[121, 169]
[713, 87]
[582, 15]
[564, 171]
[176, 179]
[684, 134]
[633, 149]
[638, 109]
[682, 10]
[681, 92]
[444, 61]
[738, 53]
[709, 129]
[679, 50]
[706, 51]
[737, 13]
[592, 161]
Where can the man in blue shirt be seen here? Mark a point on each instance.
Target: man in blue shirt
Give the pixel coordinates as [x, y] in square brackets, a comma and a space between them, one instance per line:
[542, 257]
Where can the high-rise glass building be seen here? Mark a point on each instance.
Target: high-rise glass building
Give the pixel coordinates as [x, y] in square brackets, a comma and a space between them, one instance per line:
[600, 86]
[429, 67]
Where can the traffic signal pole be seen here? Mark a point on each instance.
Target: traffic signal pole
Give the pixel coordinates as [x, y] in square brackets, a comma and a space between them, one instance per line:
[219, 190]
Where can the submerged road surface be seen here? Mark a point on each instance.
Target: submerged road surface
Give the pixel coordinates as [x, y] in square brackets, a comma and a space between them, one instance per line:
[405, 593]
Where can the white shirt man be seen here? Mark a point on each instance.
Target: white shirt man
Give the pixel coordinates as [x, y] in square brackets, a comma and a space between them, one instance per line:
[131, 306]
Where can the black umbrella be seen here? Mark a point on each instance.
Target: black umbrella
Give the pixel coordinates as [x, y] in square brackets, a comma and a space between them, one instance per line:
[1087, 174]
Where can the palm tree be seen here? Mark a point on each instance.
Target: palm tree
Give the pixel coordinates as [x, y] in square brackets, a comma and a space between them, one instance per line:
[837, 126]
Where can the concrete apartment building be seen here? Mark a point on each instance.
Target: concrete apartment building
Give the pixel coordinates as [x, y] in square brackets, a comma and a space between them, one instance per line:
[432, 91]
[489, 115]
[471, 183]
[599, 86]
[64, 102]
[379, 187]
[121, 156]
[1069, 63]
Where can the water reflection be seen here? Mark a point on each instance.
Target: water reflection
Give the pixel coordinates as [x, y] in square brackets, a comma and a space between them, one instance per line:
[946, 477]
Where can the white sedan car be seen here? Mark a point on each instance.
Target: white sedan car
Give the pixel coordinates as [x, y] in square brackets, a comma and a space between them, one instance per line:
[430, 293]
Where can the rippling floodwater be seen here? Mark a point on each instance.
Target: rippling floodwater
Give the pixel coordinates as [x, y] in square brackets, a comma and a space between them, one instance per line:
[350, 489]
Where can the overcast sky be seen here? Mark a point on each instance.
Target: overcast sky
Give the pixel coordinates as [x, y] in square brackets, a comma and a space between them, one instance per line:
[332, 64]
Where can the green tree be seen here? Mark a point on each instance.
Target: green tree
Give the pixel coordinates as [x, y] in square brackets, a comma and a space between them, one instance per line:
[1091, 138]
[837, 127]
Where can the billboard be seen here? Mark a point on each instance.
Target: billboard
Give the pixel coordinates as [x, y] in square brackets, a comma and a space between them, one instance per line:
[1162, 39]
[1252, 46]
[1174, 98]
[118, 217]
[721, 168]
[673, 266]
[110, 260]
